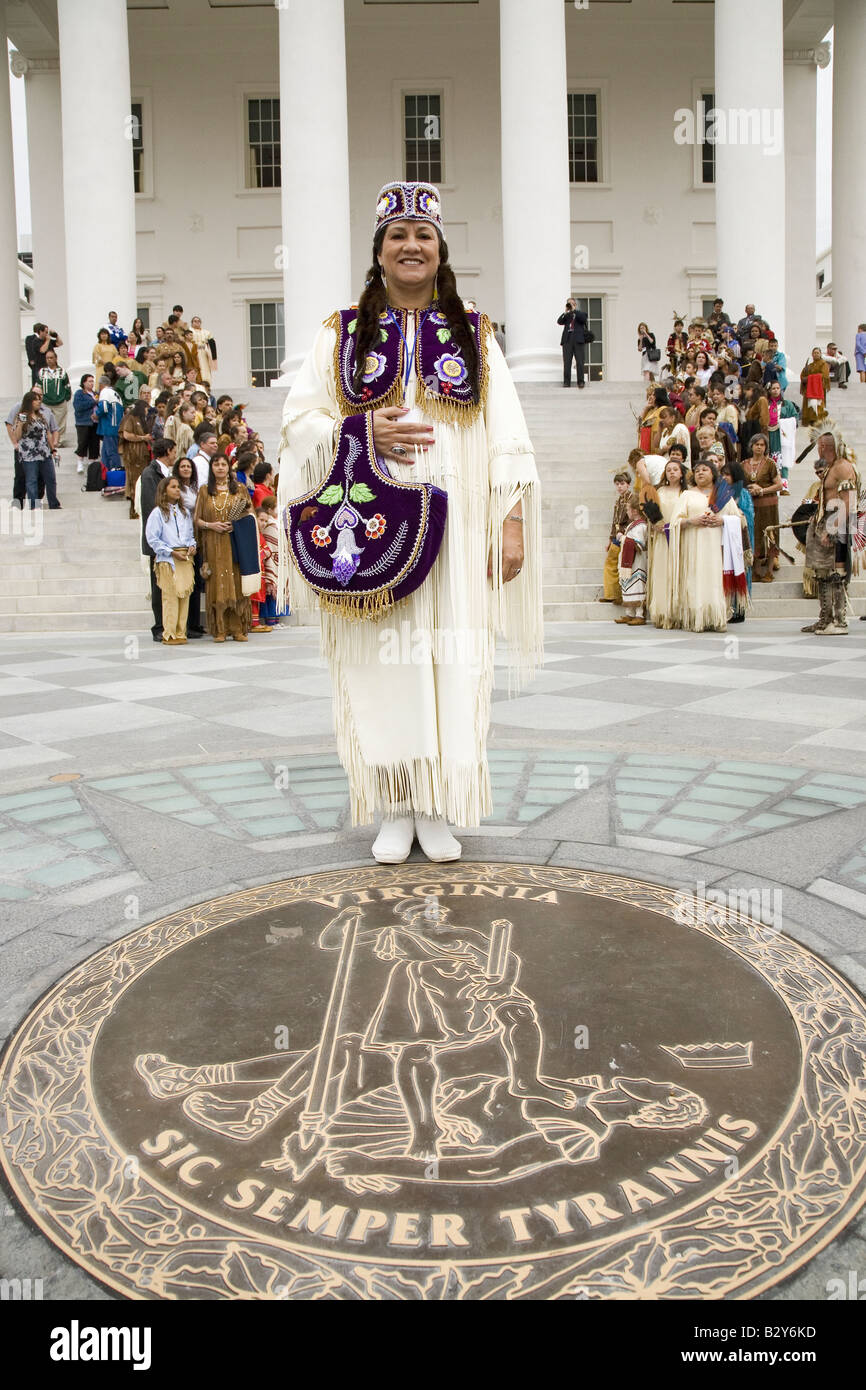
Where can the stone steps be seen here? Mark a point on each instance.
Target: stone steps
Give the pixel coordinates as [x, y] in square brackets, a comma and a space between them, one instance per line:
[111, 601]
[73, 587]
[133, 623]
[782, 591]
[805, 610]
[53, 570]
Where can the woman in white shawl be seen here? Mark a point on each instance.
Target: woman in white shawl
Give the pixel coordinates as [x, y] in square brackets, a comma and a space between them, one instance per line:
[412, 689]
[661, 606]
[707, 574]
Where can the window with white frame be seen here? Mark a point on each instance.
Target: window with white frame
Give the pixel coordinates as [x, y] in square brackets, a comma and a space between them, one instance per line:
[137, 133]
[267, 340]
[422, 137]
[584, 137]
[263, 142]
[708, 150]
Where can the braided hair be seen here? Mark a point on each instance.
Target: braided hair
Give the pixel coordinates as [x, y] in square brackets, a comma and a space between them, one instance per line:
[374, 302]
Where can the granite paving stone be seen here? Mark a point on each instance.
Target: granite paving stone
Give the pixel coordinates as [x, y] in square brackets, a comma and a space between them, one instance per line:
[677, 828]
[70, 870]
[87, 839]
[723, 796]
[53, 811]
[15, 861]
[38, 797]
[801, 807]
[65, 826]
[625, 786]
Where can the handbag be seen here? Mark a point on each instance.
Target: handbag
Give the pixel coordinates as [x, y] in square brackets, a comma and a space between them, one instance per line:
[653, 354]
[361, 561]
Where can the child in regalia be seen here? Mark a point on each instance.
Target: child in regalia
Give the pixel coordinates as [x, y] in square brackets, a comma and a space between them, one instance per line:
[633, 565]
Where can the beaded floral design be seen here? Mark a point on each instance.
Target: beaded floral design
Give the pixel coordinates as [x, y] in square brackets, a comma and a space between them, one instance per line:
[450, 369]
[386, 204]
[375, 364]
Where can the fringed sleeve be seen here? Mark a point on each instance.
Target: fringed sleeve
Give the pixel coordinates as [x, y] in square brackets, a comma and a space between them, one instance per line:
[310, 418]
[516, 606]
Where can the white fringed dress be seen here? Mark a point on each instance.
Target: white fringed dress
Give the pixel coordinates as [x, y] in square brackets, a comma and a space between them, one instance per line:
[412, 689]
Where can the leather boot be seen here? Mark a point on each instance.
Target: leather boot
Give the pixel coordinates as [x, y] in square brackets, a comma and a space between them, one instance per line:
[825, 611]
[838, 625]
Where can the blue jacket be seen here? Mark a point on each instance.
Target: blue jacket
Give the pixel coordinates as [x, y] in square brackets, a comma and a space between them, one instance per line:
[83, 404]
[108, 417]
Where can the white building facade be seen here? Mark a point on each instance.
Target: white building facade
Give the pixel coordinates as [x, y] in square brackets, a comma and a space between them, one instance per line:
[226, 154]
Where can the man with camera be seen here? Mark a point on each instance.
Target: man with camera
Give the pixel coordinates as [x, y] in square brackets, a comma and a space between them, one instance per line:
[574, 328]
[36, 345]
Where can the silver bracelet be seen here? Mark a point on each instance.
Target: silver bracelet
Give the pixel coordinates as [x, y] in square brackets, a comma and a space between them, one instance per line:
[515, 518]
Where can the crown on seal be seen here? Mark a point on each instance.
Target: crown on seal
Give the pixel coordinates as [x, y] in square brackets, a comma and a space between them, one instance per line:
[727, 1054]
[413, 202]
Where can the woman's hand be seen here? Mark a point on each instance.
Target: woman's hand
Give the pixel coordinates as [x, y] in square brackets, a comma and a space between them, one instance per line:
[512, 550]
[389, 429]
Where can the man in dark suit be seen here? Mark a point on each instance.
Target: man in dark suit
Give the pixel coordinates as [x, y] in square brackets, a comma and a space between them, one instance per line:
[574, 324]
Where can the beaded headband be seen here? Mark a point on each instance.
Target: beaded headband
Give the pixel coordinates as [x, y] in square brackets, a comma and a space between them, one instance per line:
[410, 202]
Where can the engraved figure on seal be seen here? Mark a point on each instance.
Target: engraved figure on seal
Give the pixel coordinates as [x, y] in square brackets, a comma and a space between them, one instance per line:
[401, 1101]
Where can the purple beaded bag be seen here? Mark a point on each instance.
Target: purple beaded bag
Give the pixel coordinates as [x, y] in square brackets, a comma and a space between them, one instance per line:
[363, 540]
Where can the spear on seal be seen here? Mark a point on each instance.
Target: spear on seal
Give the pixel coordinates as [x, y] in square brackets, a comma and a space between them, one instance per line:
[302, 1149]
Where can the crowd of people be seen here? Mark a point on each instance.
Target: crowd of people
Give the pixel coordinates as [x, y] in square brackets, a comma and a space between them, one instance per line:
[147, 424]
[696, 516]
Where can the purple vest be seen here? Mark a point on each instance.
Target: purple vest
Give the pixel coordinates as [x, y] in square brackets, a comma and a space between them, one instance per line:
[443, 388]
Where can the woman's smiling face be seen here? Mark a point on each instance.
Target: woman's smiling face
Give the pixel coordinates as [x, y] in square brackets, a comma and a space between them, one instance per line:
[409, 255]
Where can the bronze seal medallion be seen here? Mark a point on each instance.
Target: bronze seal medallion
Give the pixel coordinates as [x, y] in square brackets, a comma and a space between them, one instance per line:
[477, 1081]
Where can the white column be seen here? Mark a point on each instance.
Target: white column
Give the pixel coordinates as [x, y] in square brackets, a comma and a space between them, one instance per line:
[536, 212]
[98, 193]
[316, 255]
[750, 161]
[45, 151]
[800, 251]
[849, 174]
[11, 356]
